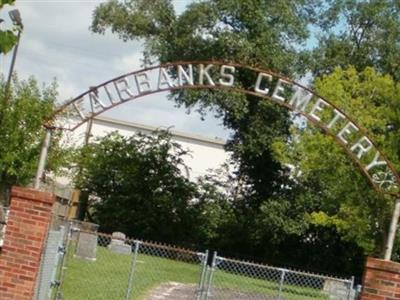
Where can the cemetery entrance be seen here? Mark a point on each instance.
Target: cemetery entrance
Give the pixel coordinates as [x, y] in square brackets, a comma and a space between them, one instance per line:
[101, 266]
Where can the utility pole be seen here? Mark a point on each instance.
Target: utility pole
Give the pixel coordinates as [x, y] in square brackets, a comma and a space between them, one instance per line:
[15, 16]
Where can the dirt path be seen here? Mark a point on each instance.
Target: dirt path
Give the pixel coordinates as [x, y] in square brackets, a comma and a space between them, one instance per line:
[181, 291]
[173, 290]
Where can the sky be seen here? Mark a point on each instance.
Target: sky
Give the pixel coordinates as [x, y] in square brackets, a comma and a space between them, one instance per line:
[56, 44]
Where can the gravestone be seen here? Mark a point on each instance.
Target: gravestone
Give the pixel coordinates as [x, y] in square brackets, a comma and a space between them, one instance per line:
[77, 226]
[87, 241]
[338, 290]
[118, 245]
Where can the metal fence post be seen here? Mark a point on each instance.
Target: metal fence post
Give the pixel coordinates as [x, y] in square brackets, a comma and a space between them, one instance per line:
[212, 269]
[132, 271]
[63, 263]
[350, 287]
[202, 275]
[281, 282]
[43, 158]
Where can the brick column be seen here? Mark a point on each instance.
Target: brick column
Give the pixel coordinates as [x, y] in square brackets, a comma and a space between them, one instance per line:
[381, 280]
[26, 231]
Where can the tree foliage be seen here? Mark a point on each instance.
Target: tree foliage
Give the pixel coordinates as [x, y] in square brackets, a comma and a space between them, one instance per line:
[253, 32]
[362, 34]
[23, 109]
[343, 199]
[137, 186]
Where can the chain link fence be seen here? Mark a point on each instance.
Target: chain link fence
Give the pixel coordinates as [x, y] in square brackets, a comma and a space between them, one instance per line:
[102, 266]
[234, 279]
[166, 272]
[91, 270]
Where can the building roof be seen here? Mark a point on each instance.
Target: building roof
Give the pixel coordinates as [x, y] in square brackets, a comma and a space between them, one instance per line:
[178, 134]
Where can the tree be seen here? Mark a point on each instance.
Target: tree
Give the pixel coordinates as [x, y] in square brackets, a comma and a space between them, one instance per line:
[215, 218]
[343, 202]
[362, 34]
[277, 216]
[255, 32]
[8, 38]
[23, 109]
[136, 186]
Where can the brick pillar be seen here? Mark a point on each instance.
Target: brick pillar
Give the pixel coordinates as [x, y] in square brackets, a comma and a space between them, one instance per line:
[381, 280]
[26, 231]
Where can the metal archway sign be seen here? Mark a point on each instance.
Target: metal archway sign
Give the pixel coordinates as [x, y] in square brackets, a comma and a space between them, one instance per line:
[223, 76]
[218, 75]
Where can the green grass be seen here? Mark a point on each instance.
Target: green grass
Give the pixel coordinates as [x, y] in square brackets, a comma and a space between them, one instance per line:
[262, 287]
[107, 278]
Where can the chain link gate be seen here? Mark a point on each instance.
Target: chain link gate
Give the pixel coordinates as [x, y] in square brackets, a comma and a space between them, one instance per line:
[125, 269]
[52, 256]
[227, 279]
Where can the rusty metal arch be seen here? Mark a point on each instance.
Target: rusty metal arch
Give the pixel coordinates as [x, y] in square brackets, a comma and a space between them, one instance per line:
[59, 111]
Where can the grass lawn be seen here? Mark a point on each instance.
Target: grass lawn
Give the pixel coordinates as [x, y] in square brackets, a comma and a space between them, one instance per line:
[259, 288]
[107, 278]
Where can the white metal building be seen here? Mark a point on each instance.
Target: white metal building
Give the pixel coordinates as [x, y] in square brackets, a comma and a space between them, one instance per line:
[205, 153]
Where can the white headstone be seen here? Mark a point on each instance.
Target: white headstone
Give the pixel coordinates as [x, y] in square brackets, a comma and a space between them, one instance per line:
[118, 245]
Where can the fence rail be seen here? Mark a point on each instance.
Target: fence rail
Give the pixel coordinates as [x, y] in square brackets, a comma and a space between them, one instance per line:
[103, 266]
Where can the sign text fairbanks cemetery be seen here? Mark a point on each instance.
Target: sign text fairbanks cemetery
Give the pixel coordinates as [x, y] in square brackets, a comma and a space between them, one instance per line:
[214, 75]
